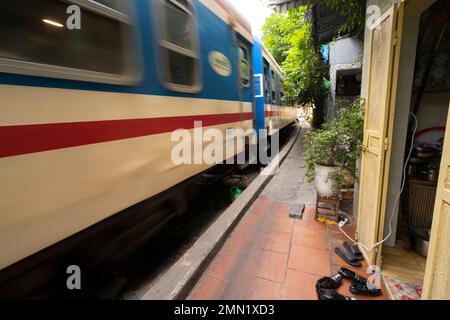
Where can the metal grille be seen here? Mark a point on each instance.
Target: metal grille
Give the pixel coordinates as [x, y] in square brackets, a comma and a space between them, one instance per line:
[421, 205]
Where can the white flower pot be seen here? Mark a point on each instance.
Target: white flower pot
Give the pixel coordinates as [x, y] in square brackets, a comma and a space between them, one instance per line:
[324, 186]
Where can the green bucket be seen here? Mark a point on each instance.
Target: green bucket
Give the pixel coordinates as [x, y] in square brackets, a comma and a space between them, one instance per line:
[235, 192]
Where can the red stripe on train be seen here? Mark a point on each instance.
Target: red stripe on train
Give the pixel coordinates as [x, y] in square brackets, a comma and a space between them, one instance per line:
[25, 139]
[272, 113]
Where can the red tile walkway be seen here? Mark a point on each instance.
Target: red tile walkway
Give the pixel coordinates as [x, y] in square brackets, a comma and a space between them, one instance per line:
[270, 256]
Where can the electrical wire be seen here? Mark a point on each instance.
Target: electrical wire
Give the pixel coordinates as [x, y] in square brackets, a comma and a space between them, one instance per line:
[391, 220]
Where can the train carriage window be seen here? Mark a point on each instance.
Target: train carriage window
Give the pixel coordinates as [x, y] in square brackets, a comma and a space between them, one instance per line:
[244, 66]
[273, 86]
[277, 94]
[179, 46]
[282, 94]
[36, 41]
[266, 83]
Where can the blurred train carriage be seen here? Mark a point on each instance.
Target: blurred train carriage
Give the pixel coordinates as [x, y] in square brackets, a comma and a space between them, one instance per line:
[86, 118]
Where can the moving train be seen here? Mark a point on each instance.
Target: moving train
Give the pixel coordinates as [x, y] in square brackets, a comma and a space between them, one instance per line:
[86, 116]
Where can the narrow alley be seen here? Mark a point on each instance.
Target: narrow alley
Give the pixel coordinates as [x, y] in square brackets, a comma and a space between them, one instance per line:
[270, 256]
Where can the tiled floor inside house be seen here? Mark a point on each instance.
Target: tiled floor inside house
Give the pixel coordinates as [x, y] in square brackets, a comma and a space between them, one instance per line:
[403, 264]
[404, 271]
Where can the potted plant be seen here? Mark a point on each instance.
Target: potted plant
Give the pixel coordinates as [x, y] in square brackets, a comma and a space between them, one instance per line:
[331, 152]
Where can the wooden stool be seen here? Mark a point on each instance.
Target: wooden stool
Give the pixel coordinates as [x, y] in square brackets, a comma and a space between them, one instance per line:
[327, 207]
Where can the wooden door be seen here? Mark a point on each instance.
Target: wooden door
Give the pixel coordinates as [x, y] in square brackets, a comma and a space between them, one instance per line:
[437, 272]
[384, 41]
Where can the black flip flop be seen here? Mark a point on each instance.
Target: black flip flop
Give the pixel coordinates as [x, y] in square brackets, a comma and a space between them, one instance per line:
[347, 257]
[349, 274]
[360, 287]
[333, 282]
[331, 294]
[353, 250]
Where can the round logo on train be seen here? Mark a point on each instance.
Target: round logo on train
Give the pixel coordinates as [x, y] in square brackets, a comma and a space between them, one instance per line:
[220, 63]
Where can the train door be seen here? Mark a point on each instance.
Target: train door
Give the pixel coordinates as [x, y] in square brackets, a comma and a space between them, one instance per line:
[244, 71]
[266, 83]
[273, 88]
[243, 67]
[259, 85]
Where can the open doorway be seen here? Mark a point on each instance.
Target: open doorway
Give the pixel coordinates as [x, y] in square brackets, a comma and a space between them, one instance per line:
[404, 255]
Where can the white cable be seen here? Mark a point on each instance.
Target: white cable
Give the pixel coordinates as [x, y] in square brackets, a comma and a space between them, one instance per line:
[391, 220]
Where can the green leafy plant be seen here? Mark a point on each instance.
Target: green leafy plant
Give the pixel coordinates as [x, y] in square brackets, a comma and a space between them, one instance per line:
[279, 29]
[288, 36]
[337, 144]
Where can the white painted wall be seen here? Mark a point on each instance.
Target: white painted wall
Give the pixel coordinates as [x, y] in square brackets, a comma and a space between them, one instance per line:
[347, 50]
[345, 54]
[433, 110]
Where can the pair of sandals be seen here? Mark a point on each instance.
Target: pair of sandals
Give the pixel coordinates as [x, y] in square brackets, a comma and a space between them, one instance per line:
[352, 255]
[326, 287]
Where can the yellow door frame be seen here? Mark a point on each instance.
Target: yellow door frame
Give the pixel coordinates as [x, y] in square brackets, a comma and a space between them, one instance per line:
[390, 131]
[377, 141]
[437, 272]
[406, 8]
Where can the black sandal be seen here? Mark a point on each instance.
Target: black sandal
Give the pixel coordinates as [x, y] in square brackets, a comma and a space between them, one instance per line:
[353, 250]
[360, 287]
[333, 282]
[331, 294]
[348, 257]
[349, 274]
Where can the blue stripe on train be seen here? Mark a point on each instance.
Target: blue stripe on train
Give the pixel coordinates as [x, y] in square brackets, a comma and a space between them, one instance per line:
[214, 35]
